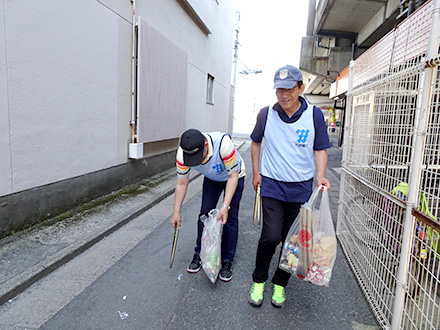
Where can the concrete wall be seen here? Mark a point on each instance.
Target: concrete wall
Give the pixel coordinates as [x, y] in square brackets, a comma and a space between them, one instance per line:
[65, 96]
[309, 63]
[384, 14]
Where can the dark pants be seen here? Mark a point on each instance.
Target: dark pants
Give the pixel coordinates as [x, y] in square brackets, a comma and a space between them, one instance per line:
[278, 217]
[210, 196]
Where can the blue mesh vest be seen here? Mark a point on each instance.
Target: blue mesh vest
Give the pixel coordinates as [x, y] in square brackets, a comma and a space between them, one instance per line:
[288, 148]
[215, 168]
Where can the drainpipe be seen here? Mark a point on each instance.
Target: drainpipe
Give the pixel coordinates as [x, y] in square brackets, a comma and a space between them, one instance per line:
[133, 120]
[420, 135]
[410, 7]
[353, 49]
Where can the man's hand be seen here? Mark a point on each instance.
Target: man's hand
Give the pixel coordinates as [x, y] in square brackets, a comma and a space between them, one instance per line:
[176, 220]
[256, 181]
[223, 215]
[323, 181]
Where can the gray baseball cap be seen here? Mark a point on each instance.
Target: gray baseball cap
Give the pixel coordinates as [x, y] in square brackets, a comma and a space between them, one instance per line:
[286, 77]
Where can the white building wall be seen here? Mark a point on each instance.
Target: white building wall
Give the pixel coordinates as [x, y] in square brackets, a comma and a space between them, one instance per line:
[65, 82]
[5, 149]
[207, 53]
[67, 79]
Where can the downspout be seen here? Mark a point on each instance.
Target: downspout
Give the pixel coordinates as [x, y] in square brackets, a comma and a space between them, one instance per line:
[353, 49]
[420, 137]
[133, 120]
[410, 7]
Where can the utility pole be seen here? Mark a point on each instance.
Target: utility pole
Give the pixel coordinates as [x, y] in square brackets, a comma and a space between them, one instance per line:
[234, 74]
[236, 43]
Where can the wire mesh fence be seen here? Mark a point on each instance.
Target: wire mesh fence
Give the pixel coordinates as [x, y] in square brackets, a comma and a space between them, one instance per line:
[370, 232]
[381, 150]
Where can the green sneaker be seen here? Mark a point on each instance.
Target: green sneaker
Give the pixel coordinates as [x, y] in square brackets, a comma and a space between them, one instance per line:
[278, 296]
[256, 294]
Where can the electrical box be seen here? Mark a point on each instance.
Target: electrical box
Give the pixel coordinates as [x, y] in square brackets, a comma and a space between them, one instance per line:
[136, 151]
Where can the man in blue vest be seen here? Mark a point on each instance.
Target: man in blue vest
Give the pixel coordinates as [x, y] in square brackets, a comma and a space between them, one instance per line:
[214, 155]
[295, 143]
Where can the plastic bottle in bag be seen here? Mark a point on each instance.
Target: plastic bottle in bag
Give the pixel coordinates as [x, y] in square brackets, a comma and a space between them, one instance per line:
[210, 252]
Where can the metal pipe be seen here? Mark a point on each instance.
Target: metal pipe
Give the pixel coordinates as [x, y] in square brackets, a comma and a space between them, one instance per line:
[133, 120]
[415, 172]
[348, 109]
[353, 49]
[410, 7]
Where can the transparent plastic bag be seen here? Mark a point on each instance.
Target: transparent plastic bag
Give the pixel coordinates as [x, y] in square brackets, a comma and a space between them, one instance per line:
[290, 250]
[210, 252]
[309, 251]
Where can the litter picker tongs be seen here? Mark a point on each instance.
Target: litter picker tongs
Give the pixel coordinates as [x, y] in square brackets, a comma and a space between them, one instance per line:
[173, 249]
[257, 207]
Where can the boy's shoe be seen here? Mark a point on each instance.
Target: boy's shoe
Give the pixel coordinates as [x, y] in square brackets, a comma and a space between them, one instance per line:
[256, 294]
[278, 296]
[226, 272]
[195, 264]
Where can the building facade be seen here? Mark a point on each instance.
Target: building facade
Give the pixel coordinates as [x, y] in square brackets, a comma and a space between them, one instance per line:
[338, 31]
[95, 94]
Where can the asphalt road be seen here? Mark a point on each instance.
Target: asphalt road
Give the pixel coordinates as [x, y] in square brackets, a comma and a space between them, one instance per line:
[124, 281]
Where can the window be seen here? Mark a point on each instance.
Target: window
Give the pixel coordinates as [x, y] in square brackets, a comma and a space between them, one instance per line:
[210, 90]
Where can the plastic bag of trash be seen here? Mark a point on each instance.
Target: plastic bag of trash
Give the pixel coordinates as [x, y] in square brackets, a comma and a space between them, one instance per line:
[210, 252]
[290, 250]
[309, 251]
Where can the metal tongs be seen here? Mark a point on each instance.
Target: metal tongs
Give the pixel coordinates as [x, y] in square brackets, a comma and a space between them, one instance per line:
[173, 249]
[257, 208]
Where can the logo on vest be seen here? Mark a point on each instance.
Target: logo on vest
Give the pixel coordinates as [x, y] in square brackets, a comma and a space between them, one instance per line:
[218, 168]
[303, 134]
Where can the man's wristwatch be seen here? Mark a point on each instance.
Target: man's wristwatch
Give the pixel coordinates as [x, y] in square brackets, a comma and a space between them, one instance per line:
[228, 207]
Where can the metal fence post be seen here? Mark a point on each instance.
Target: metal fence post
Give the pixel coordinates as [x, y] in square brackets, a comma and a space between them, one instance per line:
[416, 166]
[347, 137]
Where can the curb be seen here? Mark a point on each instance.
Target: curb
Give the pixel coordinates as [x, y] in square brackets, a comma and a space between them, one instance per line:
[20, 283]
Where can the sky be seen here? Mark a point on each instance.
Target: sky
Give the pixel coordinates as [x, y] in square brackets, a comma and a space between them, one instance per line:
[270, 34]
